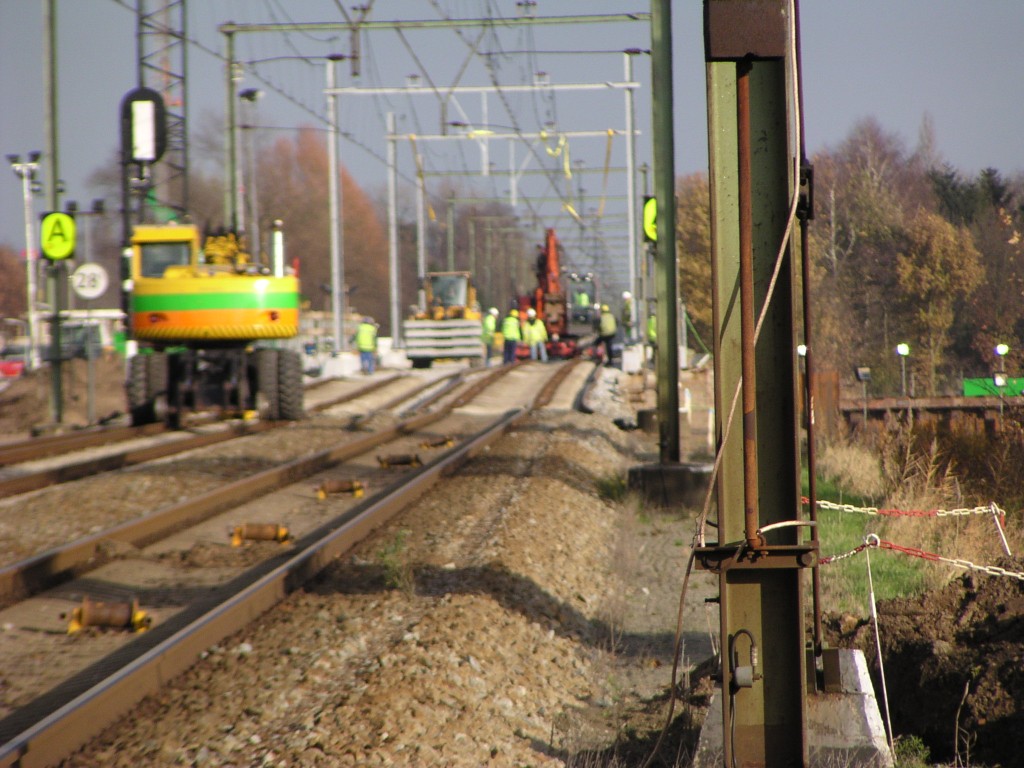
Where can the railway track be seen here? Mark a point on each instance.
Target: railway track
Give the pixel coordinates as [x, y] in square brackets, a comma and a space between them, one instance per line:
[197, 589]
[37, 463]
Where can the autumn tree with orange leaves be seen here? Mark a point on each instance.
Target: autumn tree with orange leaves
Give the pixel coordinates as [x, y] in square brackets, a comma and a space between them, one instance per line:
[293, 187]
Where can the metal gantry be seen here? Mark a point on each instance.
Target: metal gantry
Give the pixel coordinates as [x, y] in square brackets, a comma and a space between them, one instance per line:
[354, 27]
[163, 66]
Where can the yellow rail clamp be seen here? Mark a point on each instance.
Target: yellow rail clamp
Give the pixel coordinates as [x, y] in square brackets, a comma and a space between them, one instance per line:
[327, 487]
[93, 613]
[447, 441]
[258, 532]
[399, 460]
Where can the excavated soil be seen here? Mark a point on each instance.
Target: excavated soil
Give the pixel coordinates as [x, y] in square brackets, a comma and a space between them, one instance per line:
[954, 666]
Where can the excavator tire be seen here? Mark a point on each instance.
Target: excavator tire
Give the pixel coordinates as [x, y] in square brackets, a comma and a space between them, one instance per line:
[289, 386]
[147, 387]
[267, 383]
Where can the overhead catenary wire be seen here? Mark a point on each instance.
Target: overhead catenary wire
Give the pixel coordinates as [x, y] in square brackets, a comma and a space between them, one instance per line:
[490, 37]
[279, 90]
[490, 66]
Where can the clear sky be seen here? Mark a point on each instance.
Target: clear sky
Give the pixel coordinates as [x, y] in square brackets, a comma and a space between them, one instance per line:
[958, 62]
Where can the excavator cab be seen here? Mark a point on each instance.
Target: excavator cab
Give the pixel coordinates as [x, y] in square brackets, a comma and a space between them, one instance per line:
[451, 295]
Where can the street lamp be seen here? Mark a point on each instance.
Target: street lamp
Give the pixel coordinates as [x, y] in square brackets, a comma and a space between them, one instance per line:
[863, 374]
[27, 173]
[1000, 377]
[903, 350]
[1001, 350]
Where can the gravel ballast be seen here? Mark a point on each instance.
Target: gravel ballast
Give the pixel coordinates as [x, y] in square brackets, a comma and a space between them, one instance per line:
[520, 614]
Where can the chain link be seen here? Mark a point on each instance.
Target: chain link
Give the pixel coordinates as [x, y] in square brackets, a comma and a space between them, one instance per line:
[843, 556]
[963, 512]
[873, 541]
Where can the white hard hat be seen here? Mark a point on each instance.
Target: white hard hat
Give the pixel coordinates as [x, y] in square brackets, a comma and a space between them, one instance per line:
[627, 295]
[493, 311]
[531, 312]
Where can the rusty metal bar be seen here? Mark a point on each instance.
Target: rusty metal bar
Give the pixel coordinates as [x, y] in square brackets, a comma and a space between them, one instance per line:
[55, 445]
[747, 309]
[57, 565]
[94, 466]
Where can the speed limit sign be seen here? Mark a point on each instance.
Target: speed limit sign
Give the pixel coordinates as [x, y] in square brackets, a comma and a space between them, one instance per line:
[89, 281]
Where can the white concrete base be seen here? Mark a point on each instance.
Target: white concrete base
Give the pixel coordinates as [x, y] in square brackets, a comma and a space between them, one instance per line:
[347, 363]
[844, 729]
[320, 367]
[632, 358]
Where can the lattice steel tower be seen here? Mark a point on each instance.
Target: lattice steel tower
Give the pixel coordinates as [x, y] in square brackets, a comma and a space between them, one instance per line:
[163, 66]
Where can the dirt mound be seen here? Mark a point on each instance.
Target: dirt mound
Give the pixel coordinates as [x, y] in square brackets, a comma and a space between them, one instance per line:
[953, 665]
[25, 403]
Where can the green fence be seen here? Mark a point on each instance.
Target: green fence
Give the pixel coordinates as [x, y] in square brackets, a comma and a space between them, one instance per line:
[987, 387]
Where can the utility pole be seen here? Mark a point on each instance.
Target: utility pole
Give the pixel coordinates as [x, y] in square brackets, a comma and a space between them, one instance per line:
[230, 149]
[761, 549]
[665, 278]
[250, 96]
[396, 327]
[631, 201]
[54, 187]
[450, 227]
[334, 189]
[421, 235]
[26, 172]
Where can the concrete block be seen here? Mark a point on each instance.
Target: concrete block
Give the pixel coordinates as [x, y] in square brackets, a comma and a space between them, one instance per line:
[632, 358]
[684, 484]
[843, 728]
[647, 420]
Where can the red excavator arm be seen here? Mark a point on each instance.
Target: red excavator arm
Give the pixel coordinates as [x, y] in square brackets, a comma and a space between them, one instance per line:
[549, 297]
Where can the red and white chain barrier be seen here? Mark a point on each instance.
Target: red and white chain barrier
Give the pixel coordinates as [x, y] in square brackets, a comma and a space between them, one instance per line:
[873, 541]
[998, 515]
[985, 510]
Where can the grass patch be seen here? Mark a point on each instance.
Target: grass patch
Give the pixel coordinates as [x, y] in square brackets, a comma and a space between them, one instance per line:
[393, 559]
[909, 470]
[844, 583]
[612, 488]
[912, 752]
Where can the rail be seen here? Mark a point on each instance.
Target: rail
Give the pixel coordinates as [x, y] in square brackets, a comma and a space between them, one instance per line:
[49, 739]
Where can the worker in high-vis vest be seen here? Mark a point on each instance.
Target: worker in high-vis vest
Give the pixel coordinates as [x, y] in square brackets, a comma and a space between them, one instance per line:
[535, 335]
[490, 328]
[366, 343]
[607, 326]
[513, 335]
[652, 338]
